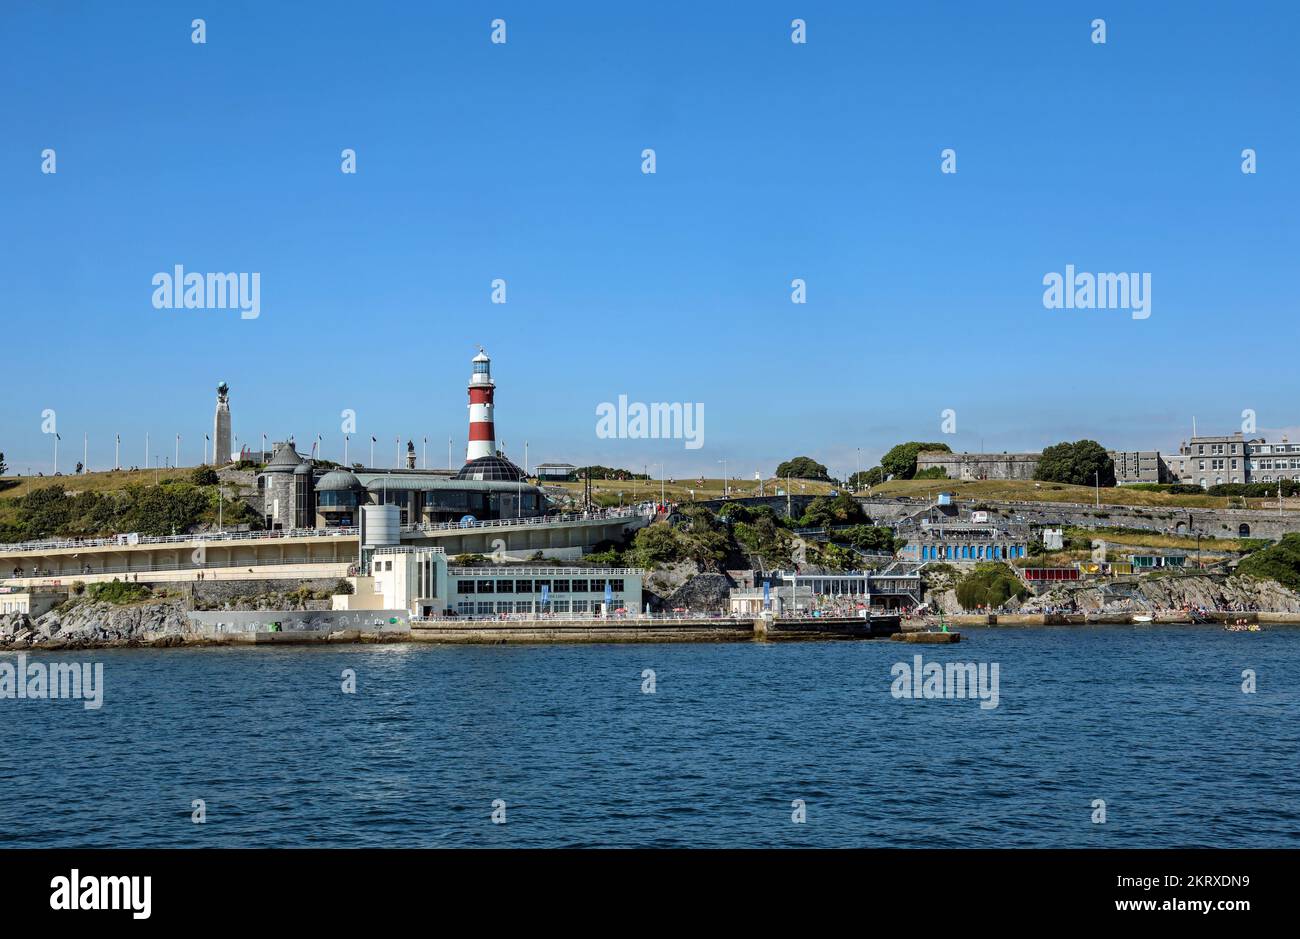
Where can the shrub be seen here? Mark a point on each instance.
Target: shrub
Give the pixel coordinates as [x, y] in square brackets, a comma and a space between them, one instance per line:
[735, 512]
[871, 538]
[989, 585]
[116, 591]
[1279, 562]
[825, 511]
[655, 545]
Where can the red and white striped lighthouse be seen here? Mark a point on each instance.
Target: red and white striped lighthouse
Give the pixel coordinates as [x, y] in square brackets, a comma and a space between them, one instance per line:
[482, 430]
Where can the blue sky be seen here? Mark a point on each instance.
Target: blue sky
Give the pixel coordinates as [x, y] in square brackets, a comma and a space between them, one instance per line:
[523, 161]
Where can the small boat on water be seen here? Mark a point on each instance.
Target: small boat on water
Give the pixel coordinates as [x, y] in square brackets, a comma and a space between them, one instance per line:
[1142, 617]
[1242, 627]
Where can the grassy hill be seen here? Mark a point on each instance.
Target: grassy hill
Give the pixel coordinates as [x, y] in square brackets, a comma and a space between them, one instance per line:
[1030, 491]
[89, 482]
[606, 491]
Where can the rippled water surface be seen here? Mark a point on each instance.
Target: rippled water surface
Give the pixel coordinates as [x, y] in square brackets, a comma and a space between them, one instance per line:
[1151, 719]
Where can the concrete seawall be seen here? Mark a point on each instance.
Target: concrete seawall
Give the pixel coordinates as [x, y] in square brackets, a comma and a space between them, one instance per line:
[582, 631]
[633, 630]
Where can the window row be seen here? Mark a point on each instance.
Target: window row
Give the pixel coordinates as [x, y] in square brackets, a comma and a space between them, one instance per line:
[616, 585]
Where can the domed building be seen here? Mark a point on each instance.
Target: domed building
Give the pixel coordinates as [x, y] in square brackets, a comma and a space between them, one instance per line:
[491, 469]
[429, 498]
[296, 493]
[339, 497]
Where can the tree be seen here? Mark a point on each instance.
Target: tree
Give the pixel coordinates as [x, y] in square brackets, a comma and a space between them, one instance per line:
[824, 512]
[1081, 463]
[766, 539]
[204, 476]
[655, 545]
[900, 462]
[872, 477]
[803, 467]
[871, 538]
[4, 467]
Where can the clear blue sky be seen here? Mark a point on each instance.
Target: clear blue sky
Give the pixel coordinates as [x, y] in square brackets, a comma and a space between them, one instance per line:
[522, 161]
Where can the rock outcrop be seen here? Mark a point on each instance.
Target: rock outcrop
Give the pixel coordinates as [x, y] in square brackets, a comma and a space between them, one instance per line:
[89, 623]
[706, 592]
[1175, 593]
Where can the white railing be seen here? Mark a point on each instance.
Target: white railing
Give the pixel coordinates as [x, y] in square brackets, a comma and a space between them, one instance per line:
[536, 520]
[115, 541]
[351, 531]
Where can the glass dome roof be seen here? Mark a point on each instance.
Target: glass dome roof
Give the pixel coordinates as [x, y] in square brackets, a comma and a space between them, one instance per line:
[491, 468]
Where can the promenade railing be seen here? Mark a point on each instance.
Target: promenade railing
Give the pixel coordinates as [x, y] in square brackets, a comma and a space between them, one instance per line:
[127, 541]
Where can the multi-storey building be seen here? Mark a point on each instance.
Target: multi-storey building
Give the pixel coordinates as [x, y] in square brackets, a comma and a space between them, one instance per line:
[1271, 462]
[1218, 460]
[1140, 466]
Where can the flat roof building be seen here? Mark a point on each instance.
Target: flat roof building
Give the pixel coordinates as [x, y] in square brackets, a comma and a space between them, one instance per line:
[420, 580]
[1140, 466]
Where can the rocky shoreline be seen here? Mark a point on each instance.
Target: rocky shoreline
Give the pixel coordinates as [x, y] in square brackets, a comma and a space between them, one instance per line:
[164, 622]
[1151, 594]
[157, 624]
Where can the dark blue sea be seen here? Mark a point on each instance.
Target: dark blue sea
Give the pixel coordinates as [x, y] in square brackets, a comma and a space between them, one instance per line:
[1152, 720]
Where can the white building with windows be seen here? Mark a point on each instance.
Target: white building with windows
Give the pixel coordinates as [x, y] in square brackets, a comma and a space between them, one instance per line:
[418, 579]
[32, 602]
[502, 589]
